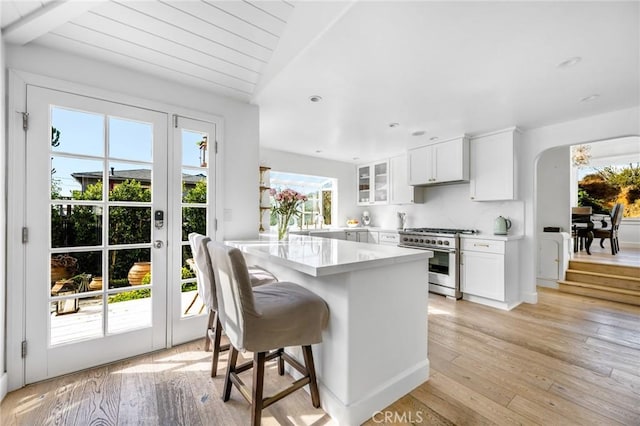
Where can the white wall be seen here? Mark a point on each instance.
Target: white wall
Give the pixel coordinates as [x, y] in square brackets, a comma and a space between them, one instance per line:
[345, 173]
[241, 136]
[553, 189]
[614, 124]
[3, 215]
[450, 206]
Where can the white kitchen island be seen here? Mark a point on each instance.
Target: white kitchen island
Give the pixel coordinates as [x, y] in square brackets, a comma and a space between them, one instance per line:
[374, 349]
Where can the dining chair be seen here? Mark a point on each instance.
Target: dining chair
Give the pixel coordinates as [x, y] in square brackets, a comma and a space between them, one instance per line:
[207, 292]
[264, 320]
[581, 228]
[611, 234]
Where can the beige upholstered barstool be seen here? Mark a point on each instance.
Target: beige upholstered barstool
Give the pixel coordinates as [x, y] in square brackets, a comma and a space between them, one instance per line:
[207, 292]
[263, 320]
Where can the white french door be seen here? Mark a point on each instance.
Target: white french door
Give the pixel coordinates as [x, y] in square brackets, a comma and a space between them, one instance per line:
[109, 203]
[194, 141]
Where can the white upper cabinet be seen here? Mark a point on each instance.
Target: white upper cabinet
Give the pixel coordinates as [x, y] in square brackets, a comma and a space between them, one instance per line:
[493, 166]
[373, 183]
[440, 162]
[401, 191]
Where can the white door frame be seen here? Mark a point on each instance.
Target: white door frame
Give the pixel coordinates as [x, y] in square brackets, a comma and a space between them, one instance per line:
[16, 215]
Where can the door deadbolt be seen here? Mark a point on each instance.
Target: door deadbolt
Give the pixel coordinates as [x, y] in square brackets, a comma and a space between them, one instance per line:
[158, 217]
[157, 244]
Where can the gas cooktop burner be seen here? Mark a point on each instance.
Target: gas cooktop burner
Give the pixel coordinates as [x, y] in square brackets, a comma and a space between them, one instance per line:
[440, 231]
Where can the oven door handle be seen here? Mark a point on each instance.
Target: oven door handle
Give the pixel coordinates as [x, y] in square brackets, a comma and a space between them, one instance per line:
[429, 248]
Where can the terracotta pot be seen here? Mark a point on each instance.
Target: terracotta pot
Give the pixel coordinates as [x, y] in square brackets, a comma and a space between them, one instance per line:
[58, 273]
[138, 271]
[95, 284]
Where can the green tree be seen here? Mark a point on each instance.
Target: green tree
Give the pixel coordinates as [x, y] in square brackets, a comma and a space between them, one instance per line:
[128, 225]
[194, 219]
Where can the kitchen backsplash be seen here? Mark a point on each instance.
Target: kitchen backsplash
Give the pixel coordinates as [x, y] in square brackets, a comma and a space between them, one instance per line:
[449, 206]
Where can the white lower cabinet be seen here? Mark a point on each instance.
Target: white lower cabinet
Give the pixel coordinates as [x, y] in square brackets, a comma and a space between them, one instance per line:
[489, 272]
[553, 257]
[389, 238]
[362, 236]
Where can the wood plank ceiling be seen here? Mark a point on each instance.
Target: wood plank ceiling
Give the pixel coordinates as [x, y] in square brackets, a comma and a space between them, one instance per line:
[222, 46]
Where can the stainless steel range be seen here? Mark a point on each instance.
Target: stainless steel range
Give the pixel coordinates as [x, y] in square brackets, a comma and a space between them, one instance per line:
[444, 266]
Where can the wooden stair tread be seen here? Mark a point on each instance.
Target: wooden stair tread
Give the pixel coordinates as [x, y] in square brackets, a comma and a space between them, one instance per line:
[600, 287]
[605, 268]
[608, 293]
[604, 274]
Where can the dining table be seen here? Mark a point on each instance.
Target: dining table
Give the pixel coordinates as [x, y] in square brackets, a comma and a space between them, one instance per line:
[582, 226]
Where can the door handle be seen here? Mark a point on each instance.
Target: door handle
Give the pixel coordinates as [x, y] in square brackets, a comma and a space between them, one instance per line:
[157, 244]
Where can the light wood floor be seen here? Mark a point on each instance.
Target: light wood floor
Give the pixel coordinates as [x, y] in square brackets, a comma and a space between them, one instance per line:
[567, 360]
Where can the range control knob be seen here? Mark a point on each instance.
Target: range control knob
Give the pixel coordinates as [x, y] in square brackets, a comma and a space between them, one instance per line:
[446, 243]
[405, 239]
[421, 240]
[439, 242]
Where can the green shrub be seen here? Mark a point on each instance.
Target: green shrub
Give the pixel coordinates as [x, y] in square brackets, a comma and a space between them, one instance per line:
[189, 287]
[130, 295]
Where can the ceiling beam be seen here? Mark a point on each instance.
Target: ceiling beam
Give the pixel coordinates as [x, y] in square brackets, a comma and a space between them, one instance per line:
[45, 19]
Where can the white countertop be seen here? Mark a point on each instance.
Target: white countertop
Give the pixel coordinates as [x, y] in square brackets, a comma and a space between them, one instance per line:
[492, 237]
[323, 256]
[344, 228]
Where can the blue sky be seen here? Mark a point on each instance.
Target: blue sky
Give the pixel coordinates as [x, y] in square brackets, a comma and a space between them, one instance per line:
[84, 134]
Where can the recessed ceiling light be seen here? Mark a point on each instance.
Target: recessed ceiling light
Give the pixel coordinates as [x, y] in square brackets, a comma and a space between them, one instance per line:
[315, 98]
[356, 158]
[434, 138]
[318, 151]
[590, 98]
[392, 125]
[570, 62]
[418, 133]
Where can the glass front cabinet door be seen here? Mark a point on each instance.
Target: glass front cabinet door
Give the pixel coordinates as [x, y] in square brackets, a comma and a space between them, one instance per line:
[373, 183]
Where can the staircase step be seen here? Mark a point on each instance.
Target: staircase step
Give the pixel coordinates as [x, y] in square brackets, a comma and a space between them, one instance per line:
[602, 279]
[631, 297]
[605, 268]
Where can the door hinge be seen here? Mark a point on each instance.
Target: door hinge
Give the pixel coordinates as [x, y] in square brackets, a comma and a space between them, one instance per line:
[175, 121]
[25, 120]
[24, 349]
[215, 224]
[216, 147]
[25, 235]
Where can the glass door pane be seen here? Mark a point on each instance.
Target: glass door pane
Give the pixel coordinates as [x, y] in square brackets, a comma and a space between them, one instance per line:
[364, 184]
[380, 182]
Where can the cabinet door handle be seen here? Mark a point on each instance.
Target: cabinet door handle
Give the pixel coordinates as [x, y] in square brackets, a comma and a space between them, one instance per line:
[480, 245]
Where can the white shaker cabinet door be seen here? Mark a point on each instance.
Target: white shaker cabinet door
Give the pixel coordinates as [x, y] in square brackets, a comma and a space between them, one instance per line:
[482, 274]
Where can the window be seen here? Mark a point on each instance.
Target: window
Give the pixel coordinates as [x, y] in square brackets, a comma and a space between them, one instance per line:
[602, 187]
[321, 194]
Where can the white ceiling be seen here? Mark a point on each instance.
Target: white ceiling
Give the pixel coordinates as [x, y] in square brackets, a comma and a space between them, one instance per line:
[447, 68]
[221, 46]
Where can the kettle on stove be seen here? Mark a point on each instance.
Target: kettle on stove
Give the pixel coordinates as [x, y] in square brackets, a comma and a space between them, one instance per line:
[501, 225]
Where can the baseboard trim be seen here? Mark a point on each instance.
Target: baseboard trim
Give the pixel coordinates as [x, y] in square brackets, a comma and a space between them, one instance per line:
[505, 306]
[629, 244]
[4, 385]
[362, 410]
